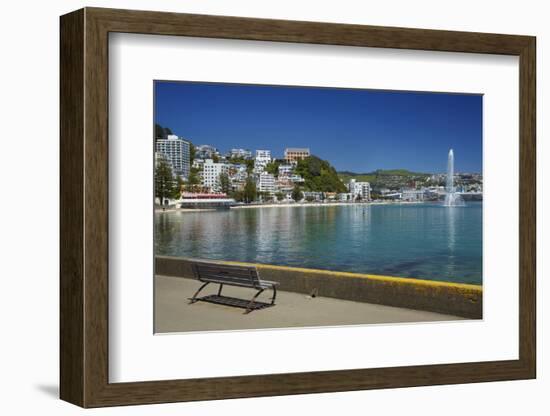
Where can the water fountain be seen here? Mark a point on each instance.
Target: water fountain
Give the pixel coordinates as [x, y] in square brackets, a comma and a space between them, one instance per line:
[452, 198]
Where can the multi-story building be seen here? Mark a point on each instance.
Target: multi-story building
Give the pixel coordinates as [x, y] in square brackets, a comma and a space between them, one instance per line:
[238, 171]
[206, 151]
[389, 194]
[294, 154]
[284, 184]
[313, 196]
[434, 193]
[359, 189]
[240, 153]
[266, 183]
[158, 158]
[412, 195]
[285, 170]
[263, 157]
[175, 150]
[211, 174]
[296, 178]
[238, 175]
[345, 197]
[197, 163]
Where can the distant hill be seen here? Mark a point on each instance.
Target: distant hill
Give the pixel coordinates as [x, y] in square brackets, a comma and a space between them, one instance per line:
[384, 172]
[380, 178]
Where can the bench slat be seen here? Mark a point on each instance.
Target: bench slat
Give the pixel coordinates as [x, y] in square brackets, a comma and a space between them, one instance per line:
[240, 284]
[234, 271]
[227, 274]
[226, 278]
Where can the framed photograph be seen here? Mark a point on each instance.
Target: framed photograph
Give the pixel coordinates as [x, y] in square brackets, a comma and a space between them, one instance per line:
[255, 207]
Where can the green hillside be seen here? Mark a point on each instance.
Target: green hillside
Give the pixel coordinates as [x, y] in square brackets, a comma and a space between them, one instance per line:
[381, 178]
[319, 175]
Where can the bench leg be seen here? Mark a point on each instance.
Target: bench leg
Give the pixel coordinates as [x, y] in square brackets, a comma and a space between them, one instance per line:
[194, 298]
[274, 294]
[220, 289]
[251, 303]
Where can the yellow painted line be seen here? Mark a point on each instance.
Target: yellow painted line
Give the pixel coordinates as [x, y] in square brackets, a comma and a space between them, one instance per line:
[388, 279]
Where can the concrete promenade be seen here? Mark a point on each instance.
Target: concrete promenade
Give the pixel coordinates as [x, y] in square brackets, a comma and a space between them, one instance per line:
[456, 299]
[174, 314]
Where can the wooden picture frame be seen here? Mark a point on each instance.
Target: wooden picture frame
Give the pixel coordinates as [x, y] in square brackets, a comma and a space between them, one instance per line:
[84, 207]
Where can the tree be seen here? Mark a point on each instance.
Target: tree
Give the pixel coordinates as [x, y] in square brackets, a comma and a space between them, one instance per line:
[310, 198]
[178, 187]
[237, 160]
[194, 180]
[249, 166]
[237, 195]
[225, 183]
[164, 181]
[280, 196]
[161, 132]
[358, 198]
[273, 167]
[297, 194]
[250, 192]
[319, 175]
[265, 196]
[192, 151]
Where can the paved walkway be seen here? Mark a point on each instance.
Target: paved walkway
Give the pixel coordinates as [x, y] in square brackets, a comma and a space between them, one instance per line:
[173, 313]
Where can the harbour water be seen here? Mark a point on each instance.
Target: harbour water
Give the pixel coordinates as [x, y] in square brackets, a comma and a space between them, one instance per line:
[427, 240]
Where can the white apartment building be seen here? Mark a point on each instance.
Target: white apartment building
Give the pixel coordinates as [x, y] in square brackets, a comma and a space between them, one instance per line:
[412, 195]
[296, 178]
[361, 189]
[211, 174]
[266, 183]
[238, 172]
[206, 151]
[175, 150]
[345, 197]
[158, 158]
[285, 170]
[263, 157]
[314, 196]
[197, 163]
[244, 153]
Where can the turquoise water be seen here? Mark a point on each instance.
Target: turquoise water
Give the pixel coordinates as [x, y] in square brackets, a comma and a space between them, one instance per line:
[425, 241]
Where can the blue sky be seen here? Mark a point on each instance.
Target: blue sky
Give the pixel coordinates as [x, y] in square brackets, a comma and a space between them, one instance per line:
[356, 130]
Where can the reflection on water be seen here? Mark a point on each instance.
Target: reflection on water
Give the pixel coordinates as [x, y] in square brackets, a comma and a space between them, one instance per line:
[451, 238]
[421, 240]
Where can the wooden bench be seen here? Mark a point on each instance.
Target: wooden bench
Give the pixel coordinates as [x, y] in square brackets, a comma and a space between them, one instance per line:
[232, 275]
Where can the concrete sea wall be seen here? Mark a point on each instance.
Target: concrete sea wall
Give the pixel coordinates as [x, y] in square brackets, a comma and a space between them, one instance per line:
[457, 299]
